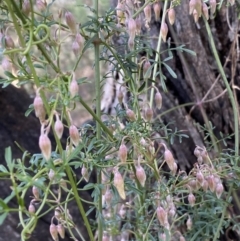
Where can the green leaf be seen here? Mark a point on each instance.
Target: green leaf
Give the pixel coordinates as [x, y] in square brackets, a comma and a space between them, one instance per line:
[3, 169]
[3, 217]
[9, 74]
[30, 109]
[3, 206]
[8, 158]
[170, 70]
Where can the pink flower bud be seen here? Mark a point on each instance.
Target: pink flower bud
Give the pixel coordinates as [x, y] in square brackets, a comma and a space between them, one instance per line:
[164, 31]
[35, 192]
[122, 211]
[182, 238]
[132, 28]
[138, 25]
[122, 153]
[74, 135]
[120, 12]
[130, 115]
[120, 96]
[58, 127]
[162, 237]
[211, 183]
[158, 100]
[9, 42]
[85, 173]
[171, 212]
[41, 6]
[157, 10]
[148, 13]
[162, 216]
[141, 175]
[205, 10]
[73, 88]
[26, 8]
[148, 114]
[105, 237]
[200, 177]
[51, 174]
[193, 185]
[195, 15]
[192, 4]
[45, 146]
[61, 230]
[189, 223]
[31, 209]
[108, 196]
[213, 6]
[118, 182]
[169, 159]
[146, 69]
[76, 48]
[171, 16]
[39, 107]
[57, 213]
[53, 232]
[131, 43]
[80, 40]
[232, 2]
[205, 185]
[70, 22]
[197, 152]
[191, 199]
[219, 190]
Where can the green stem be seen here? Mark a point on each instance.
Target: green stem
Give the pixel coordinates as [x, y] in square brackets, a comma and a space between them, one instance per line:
[157, 55]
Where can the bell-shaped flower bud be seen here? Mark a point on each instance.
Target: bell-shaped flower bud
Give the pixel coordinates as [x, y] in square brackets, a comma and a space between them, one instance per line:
[141, 175]
[35, 192]
[118, 182]
[45, 145]
[148, 13]
[192, 6]
[157, 10]
[162, 216]
[130, 115]
[53, 231]
[131, 43]
[120, 13]
[105, 237]
[73, 88]
[189, 223]
[200, 177]
[122, 211]
[41, 6]
[31, 209]
[71, 22]
[148, 114]
[181, 238]
[219, 190]
[51, 175]
[213, 6]
[80, 40]
[158, 100]
[138, 25]
[76, 48]
[195, 15]
[120, 96]
[108, 196]
[61, 230]
[9, 42]
[162, 237]
[58, 127]
[26, 8]
[74, 135]
[211, 183]
[191, 199]
[85, 174]
[205, 10]
[146, 69]
[57, 213]
[171, 16]
[122, 153]
[39, 107]
[164, 31]
[168, 157]
[132, 28]
[205, 185]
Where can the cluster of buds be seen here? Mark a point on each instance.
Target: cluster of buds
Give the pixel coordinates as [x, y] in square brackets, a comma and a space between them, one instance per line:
[56, 230]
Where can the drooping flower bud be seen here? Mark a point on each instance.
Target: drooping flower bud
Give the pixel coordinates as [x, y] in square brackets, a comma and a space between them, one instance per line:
[195, 15]
[148, 13]
[164, 31]
[219, 190]
[45, 145]
[122, 153]
[39, 107]
[35, 192]
[211, 183]
[118, 182]
[70, 22]
[41, 6]
[61, 230]
[158, 100]
[76, 48]
[122, 211]
[141, 175]
[26, 8]
[168, 157]
[181, 238]
[191, 199]
[58, 127]
[171, 16]
[108, 196]
[205, 10]
[31, 209]
[130, 115]
[205, 185]
[189, 223]
[105, 237]
[162, 216]
[200, 177]
[146, 69]
[148, 114]
[9, 42]
[138, 25]
[74, 135]
[162, 237]
[157, 10]
[232, 2]
[120, 96]
[132, 28]
[213, 6]
[131, 43]
[80, 41]
[51, 174]
[120, 13]
[192, 4]
[57, 213]
[85, 173]
[53, 231]
[73, 88]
